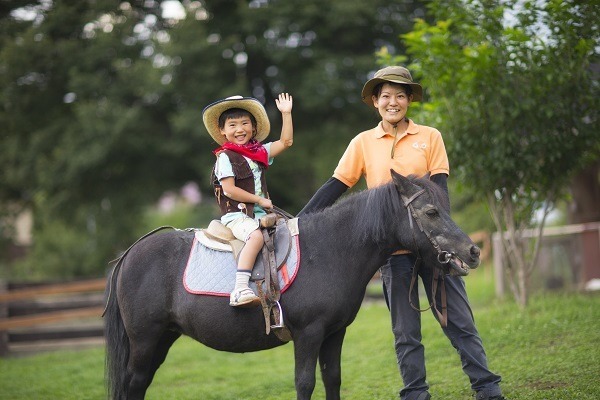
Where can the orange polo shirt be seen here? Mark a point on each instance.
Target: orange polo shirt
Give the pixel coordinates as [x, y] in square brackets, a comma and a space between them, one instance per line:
[417, 151]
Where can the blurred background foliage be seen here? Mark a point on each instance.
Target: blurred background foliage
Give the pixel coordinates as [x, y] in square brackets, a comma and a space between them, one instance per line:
[101, 111]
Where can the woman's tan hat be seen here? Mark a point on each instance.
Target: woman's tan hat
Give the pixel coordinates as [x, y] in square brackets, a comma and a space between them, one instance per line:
[393, 74]
[212, 112]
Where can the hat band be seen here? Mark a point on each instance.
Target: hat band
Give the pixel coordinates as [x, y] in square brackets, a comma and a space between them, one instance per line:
[395, 77]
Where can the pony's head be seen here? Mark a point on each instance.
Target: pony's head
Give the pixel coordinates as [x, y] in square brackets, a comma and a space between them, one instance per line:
[433, 234]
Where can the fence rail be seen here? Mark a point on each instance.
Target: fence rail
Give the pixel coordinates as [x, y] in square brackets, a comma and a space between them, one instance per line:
[94, 285]
[569, 257]
[54, 312]
[37, 313]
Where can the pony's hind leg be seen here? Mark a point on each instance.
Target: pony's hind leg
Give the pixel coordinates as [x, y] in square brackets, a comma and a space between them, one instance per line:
[144, 359]
[330, 363]
[162, 349]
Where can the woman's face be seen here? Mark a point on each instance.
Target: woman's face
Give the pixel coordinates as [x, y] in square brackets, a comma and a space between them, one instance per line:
[392, 103]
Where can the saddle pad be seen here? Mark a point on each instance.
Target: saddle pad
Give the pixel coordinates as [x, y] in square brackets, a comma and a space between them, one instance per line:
[212, 272]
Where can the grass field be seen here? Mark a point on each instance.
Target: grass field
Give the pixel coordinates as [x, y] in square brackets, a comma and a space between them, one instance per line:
[551, 350]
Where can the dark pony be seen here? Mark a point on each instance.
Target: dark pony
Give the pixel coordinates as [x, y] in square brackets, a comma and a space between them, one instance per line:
[340, 250]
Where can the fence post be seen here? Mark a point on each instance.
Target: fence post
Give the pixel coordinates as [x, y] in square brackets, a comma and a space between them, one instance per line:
[3, 314]
[498, 263]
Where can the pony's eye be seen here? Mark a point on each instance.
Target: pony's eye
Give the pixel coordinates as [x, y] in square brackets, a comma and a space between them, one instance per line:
[432, 212]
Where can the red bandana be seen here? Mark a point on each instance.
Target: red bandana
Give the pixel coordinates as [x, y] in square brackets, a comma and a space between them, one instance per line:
[254, 150]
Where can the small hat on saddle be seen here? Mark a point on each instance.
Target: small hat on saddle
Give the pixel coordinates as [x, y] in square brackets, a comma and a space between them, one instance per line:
[212, 112]
[394, 74]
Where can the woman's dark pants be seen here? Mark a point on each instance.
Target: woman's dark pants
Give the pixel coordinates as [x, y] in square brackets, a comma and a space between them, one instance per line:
[406, 325]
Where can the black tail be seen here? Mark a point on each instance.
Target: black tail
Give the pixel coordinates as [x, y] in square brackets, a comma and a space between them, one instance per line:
[117, 343]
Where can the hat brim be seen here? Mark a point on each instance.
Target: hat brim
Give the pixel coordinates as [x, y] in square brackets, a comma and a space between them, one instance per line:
[212, 112]
[367, 92]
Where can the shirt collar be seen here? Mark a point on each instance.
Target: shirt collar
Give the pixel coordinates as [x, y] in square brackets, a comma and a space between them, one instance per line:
[412, 129]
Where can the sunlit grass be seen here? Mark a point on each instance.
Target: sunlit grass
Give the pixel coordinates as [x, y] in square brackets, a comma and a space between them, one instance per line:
[548, 351]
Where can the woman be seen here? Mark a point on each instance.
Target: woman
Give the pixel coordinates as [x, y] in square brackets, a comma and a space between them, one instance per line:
[399, 143]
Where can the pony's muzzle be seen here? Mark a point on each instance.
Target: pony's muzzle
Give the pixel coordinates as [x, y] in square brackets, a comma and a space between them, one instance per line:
[475, 252]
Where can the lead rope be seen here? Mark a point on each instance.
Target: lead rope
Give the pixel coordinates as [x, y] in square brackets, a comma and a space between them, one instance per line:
[394, 143]
[437, 276]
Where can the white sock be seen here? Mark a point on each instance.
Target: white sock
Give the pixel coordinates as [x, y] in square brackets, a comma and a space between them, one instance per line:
[242, 278]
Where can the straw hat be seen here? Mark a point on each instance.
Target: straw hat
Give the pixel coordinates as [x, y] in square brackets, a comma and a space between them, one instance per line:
[393, 74]
[212, 112]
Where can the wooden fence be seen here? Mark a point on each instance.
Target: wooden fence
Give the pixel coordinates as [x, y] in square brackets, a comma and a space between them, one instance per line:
[37, 316]
[41, 315]
[569, 257]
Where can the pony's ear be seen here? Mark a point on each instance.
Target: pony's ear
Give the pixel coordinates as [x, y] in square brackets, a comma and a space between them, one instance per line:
[406, 188]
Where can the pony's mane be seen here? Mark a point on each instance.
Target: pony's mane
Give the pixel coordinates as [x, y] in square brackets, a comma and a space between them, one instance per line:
[378, 211]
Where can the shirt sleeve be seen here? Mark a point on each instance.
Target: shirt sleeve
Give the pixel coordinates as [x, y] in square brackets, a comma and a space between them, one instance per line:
[325, 196]
[438, 159]
[223, 168]
[267, 146]
[351, 166]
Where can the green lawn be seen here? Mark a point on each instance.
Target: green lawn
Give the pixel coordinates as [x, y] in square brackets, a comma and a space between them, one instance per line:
[548, 351]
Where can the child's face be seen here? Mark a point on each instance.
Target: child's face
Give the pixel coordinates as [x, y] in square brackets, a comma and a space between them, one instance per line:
[238, 130]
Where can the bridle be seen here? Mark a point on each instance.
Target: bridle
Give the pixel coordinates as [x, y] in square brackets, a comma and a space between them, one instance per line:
[443, 257]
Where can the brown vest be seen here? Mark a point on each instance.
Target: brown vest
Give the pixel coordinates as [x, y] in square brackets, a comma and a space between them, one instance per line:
[243, 179]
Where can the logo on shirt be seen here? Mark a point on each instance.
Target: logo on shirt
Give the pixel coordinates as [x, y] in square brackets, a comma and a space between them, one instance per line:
[418, 145]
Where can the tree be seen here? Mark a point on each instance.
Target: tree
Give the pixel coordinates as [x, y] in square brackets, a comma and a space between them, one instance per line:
[320, 52]
[101, 105]
[87, 145]
[514, 88]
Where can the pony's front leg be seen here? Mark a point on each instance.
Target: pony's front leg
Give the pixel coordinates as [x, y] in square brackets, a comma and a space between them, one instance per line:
[330, 358]
[306, 352]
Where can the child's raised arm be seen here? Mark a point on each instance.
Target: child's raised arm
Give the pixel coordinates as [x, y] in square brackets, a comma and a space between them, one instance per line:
[284, 104]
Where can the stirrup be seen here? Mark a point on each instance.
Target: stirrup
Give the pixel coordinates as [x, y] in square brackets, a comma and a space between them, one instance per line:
[278, 325]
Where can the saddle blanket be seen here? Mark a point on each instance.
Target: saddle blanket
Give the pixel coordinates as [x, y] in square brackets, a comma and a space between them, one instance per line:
[212, 272]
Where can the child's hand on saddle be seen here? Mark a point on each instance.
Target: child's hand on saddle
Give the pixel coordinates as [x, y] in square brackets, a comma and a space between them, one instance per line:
[284, 103]
[266, 204]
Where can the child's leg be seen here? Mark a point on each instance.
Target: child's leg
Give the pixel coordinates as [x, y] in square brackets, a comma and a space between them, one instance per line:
[246, 261]
[246, 229]
[248, 254]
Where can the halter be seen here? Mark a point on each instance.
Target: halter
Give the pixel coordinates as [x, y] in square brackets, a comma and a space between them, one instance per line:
[443, 257]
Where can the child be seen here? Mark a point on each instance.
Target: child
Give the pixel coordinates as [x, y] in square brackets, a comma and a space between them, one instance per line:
[239, 124]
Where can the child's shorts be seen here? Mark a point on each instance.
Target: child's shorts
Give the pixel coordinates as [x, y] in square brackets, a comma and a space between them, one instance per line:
[242, 227]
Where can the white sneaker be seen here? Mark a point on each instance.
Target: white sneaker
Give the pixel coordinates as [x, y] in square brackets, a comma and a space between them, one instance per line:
[243, 297]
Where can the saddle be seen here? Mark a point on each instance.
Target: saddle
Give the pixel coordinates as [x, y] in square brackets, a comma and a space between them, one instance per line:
[278, 242]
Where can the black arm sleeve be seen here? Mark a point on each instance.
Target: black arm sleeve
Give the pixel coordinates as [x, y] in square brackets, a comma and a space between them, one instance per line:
[442, 181]
[325, 196]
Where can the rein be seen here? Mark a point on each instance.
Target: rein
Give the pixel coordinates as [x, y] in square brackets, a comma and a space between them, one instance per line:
[283, 213]
[443, 257]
